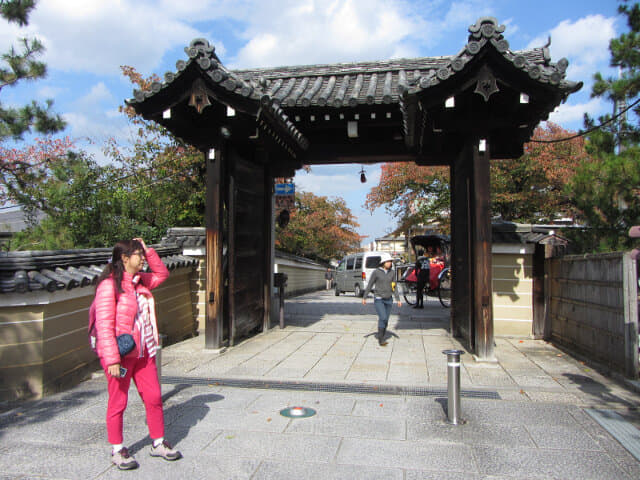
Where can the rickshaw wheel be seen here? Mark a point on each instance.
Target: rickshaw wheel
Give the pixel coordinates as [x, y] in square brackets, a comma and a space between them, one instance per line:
[444, 288]
[410, 293]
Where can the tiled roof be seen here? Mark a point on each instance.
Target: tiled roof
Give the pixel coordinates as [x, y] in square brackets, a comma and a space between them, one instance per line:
[384, 82]
[22, 272]
[508, 232]
[202, 54]
[196, 237]
[186, 237]
[292, 88]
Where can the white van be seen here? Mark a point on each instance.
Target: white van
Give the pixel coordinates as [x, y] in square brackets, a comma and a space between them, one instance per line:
[354, 272]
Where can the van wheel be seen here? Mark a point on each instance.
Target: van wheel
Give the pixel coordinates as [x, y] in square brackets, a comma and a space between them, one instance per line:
[337, 292]
[356, 291]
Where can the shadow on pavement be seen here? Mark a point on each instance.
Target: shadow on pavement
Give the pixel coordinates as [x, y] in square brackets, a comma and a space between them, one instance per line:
[598, 390]
[188, 414]
[39, 411]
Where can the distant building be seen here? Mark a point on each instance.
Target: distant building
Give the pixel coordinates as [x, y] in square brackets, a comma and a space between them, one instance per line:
[395, 245]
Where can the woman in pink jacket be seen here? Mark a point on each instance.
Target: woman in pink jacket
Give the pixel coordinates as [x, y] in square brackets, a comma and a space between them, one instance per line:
[124, 305]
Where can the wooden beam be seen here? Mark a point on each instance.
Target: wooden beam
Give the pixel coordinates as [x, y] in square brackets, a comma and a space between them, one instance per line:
[326, 154]
[481, 238]
[214, 282]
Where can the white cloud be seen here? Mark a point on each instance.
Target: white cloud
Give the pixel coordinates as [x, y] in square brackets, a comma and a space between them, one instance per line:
[99, 36]
[99, 93]
[585, 43]
[314, 32]
[49, 92]
[574, 114]
[93, 117]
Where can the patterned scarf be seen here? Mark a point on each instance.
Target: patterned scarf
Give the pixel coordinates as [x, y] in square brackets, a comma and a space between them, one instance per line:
[143, 321]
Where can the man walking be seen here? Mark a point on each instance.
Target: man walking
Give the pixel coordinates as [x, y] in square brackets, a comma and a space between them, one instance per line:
[328, 278]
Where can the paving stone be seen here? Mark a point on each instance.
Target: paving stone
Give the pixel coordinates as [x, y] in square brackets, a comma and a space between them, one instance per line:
[322, 402]
[553, 397]
[321, 471]
[62, 461]
[349, 427]
[440, 475]
[232, 419]
[381, 406]
[275, 446]
[560, 438]
[515, 413]
[532, 463]
[56, 433]
[407, 454]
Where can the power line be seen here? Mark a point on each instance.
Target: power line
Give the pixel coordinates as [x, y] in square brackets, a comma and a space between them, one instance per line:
[592, 129]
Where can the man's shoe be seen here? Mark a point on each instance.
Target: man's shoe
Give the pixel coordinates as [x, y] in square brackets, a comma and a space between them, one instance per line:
[123, 460]
[165, 451]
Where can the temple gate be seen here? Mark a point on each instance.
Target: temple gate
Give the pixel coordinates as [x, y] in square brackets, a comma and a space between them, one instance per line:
[255, 125]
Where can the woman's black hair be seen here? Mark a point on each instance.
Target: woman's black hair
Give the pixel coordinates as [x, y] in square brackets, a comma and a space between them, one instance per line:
[115, 268]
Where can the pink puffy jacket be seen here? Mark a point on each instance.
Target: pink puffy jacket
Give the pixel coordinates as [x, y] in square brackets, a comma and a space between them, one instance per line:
[114, 318]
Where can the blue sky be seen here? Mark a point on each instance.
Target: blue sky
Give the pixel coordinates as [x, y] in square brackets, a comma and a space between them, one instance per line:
[88, 40]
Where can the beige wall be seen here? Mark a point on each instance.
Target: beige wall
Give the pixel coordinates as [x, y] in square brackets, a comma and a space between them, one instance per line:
[512, 268]
[43, 336]
[301, 278]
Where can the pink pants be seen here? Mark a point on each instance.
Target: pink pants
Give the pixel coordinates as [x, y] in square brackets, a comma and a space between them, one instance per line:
[145, 376]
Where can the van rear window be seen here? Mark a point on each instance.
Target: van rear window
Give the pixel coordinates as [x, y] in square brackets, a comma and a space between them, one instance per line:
[372, 262]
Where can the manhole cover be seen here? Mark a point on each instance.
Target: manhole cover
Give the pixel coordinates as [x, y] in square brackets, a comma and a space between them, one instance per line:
[297, 412]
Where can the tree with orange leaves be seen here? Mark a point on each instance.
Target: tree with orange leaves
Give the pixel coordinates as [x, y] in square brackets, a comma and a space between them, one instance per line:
[528, 189]
[319, 227]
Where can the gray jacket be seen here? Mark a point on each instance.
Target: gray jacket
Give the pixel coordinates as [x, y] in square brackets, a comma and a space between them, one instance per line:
[380, 282]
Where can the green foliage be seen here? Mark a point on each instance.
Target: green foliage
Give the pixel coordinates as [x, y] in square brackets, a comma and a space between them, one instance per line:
[88, 205]
[607, 193]
[17, 11]
[606, 190]
[21, 64]
[151, 185]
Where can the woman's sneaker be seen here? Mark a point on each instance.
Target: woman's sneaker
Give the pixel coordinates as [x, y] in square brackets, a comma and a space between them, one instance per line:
[123, 460]
[165, 451]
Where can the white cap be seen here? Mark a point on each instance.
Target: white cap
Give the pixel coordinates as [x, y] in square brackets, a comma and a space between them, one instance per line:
[385, 257]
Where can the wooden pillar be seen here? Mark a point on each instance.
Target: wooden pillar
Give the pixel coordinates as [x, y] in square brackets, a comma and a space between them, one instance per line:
[214, 284]
[268, 232]
[231, 256]
[539, 303]
[481, 238]
[268, 248]
[462, 292]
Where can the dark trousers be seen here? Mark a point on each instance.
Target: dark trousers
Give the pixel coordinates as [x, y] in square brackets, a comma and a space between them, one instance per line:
[423, 281]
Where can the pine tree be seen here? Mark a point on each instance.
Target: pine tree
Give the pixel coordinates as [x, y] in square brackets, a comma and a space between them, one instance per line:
[19, 65]
[606, 189]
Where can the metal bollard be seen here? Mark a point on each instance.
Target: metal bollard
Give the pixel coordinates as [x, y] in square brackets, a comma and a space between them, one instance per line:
[161, 339]
[280, 281]
[453, 386]
[281, 292]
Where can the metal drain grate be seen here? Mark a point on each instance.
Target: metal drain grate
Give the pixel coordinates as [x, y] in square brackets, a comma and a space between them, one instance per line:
[329, 387]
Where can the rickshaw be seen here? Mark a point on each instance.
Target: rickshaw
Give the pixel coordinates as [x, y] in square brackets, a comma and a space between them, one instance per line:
[439, 285]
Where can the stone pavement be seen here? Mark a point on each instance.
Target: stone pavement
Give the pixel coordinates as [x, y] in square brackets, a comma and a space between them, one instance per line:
[528, 416]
